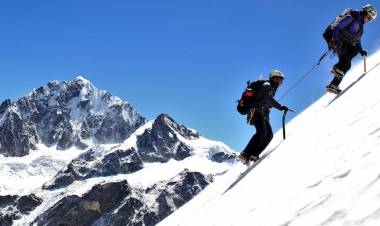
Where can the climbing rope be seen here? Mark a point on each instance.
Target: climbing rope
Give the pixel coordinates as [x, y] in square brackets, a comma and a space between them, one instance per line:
[305, 75]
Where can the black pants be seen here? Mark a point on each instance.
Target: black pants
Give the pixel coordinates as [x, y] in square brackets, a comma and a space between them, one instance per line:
[262, 137]
[346, 53]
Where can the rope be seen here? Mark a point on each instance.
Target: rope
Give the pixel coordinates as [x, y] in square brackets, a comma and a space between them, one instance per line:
[305, 75]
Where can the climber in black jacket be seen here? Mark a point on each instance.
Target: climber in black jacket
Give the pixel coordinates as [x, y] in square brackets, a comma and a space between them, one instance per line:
[259, 117]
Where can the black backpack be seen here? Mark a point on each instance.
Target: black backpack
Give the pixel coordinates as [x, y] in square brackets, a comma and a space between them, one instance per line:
[247, 100]
[328, 33]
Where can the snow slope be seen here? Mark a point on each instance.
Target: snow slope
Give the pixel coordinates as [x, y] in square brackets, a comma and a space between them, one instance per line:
[326, 172]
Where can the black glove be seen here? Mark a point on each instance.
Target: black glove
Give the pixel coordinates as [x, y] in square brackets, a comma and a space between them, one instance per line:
[284, 108]
[363, 53]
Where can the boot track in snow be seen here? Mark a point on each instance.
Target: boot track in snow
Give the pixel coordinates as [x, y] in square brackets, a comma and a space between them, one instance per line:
[251, 167]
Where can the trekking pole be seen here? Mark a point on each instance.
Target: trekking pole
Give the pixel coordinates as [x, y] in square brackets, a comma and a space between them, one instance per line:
[365, 64]
[283, 123]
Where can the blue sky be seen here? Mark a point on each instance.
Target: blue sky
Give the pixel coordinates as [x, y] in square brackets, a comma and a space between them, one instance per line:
[189, 59]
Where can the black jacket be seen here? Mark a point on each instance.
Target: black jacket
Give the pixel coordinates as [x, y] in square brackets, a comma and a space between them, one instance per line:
[264, 98]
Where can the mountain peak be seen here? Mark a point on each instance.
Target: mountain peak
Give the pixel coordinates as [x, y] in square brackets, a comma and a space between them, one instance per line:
[69, 113]
[81, 78]
[164, 120]
[82, 82]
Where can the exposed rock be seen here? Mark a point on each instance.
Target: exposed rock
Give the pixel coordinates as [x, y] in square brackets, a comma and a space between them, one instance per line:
[222, 157]
[6, 219]
[16, 136]
[12, 207]
[161, 143]
[85, 132]
[164, 119]
[114, 128]
[5, 105]
[90, 164]
[26, 204]
[7, 200]
[170, 196]
[180, 190]
[85, 210]
[133, 211]
[118, 204]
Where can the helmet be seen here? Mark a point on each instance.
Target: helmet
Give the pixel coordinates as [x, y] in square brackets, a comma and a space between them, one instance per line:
[370, 10]
[276, 73]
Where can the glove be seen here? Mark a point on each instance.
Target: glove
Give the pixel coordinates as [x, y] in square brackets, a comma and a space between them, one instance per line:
[284, 108]
[363, 53]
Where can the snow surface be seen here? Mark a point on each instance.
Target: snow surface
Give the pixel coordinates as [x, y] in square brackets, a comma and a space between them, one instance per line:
[22, 175]
[326, 172]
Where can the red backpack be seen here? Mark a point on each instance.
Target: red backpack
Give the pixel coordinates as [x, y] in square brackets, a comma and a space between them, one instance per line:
[247, 100]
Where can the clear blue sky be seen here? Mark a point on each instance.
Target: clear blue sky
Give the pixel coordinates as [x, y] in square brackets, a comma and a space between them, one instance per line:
[189, 59]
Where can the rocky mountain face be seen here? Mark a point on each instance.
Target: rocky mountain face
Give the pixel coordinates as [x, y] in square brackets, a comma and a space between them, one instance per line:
[118, 203]
[65, 114]
[13, 207]
[91, 164]
[165, 141]
[161, 142]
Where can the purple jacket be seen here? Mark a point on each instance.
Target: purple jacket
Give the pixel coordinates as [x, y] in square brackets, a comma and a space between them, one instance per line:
[350, 29]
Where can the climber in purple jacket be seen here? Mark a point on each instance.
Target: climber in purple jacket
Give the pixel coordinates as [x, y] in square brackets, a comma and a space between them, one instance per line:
[343, 37]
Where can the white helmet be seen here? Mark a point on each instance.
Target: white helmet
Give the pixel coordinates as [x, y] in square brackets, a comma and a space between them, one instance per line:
[370, 10]
[276, 73]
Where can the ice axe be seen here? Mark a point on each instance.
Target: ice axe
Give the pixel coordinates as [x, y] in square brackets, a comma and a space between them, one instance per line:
[283, 122]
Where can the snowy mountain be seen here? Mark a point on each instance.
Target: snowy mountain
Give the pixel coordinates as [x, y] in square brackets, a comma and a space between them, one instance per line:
[76, 155]
[325, 173]
[65, 114]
